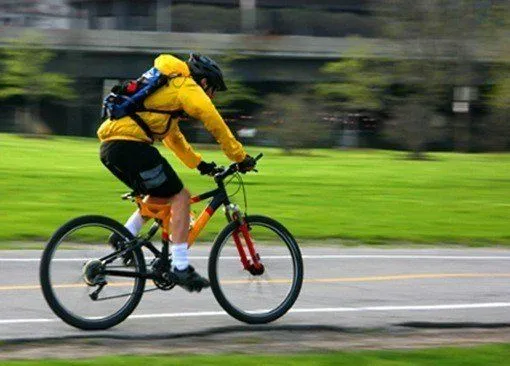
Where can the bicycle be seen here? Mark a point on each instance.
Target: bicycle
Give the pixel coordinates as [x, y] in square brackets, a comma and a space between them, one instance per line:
[101, 277]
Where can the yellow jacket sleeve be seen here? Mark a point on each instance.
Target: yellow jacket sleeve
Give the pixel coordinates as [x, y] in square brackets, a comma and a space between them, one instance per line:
[176, 142]
[198, 105]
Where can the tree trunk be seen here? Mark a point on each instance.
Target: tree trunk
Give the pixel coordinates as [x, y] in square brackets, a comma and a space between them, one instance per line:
[33, 122]
[417, 155]
[461, 132]
[19, 119]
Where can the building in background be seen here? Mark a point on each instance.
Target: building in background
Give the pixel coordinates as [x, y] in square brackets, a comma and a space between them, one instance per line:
[334, 18]
[46, 14]
[272, 62]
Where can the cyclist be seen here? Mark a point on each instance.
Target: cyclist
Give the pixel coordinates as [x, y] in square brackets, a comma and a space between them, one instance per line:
[127, 151]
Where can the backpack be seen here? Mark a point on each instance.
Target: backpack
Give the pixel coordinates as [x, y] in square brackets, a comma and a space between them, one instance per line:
[127, 98]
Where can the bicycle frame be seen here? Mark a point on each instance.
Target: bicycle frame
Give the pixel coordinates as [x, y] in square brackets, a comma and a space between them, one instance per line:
[162, 213]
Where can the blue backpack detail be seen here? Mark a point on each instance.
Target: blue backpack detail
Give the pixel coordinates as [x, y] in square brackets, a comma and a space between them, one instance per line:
[128, 97]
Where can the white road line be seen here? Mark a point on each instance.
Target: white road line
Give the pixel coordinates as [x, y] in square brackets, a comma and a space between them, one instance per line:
[296, 311]
[404, 256]
[333, 256]
[29, 321]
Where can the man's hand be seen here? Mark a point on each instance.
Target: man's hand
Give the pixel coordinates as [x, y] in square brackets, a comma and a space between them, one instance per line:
[206, 168]
[247, 164]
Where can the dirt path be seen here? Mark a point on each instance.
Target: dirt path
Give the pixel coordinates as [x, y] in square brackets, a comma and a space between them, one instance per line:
[230, 340]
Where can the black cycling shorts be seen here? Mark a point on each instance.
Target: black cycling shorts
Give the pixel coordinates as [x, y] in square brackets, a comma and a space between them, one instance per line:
[141, 167]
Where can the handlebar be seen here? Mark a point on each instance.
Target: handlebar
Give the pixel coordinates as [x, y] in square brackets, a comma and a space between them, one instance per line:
[221, 172]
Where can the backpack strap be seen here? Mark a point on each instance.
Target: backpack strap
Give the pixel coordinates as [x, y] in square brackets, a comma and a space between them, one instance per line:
[141, 123]
[172, 114]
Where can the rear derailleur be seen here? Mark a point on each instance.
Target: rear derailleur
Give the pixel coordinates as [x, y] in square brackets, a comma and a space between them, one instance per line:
[93, 275]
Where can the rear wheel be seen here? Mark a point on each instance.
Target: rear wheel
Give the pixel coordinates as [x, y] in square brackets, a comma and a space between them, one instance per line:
[260, 296]
[71, 272]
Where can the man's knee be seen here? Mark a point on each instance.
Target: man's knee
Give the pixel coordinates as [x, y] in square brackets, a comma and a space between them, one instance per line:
[182, 197]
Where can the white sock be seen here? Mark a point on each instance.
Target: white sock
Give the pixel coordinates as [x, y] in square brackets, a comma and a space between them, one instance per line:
[180, 256]
[135, 223]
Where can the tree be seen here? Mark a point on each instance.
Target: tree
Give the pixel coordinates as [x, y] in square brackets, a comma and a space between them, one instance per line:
[368, 86]
[434, 54]
[239, 96]
[360, 87]
[499, 97]
[441, 42]
[294, 121]
[497, 122]
[414, 125]
[496, 94]
[23, 76]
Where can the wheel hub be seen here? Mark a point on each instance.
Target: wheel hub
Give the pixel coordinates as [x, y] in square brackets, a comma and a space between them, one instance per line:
[92, 272]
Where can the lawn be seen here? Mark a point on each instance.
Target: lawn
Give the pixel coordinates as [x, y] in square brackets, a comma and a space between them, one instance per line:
[483, 356]
[369, 196]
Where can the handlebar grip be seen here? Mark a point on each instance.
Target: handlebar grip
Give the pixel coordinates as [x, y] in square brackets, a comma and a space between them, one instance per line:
[259, 156]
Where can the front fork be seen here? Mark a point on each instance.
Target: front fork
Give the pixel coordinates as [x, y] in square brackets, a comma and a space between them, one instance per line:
[252, 264]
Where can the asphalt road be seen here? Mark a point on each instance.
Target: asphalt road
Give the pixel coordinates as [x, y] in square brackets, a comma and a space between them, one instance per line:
[344, 287]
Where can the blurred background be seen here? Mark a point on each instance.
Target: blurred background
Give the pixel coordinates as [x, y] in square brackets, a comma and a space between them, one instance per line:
[419, 76]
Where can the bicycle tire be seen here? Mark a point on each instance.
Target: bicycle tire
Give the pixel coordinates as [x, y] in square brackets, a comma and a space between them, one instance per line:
[297, 279]
[45, 276]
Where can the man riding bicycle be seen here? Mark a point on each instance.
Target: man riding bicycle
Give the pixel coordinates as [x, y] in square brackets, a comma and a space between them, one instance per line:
[127, 151]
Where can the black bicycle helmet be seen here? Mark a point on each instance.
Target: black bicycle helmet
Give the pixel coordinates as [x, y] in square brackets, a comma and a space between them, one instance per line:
[204, 67]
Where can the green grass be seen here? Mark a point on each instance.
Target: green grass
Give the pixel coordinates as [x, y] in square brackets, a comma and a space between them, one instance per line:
[485, 355]
[370, 196]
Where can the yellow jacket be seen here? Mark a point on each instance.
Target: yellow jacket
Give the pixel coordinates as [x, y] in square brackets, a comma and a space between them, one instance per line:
[182, 93]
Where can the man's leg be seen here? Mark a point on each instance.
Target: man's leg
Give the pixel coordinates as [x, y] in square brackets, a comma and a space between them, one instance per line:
[145, 170]
[135, 223]
[180, 229]
[179, 225]
[182, 273]
[113, 155]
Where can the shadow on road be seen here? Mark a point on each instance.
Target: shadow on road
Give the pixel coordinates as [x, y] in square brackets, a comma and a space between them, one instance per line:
[453, 325]
[303, 329]
[205, 333]
[258, 339]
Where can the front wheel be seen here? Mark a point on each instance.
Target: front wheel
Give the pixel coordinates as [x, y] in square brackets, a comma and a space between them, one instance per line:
[256, 296]
[74, 274]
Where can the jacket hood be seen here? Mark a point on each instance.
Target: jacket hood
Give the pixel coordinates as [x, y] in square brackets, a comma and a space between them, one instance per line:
[171, 65]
